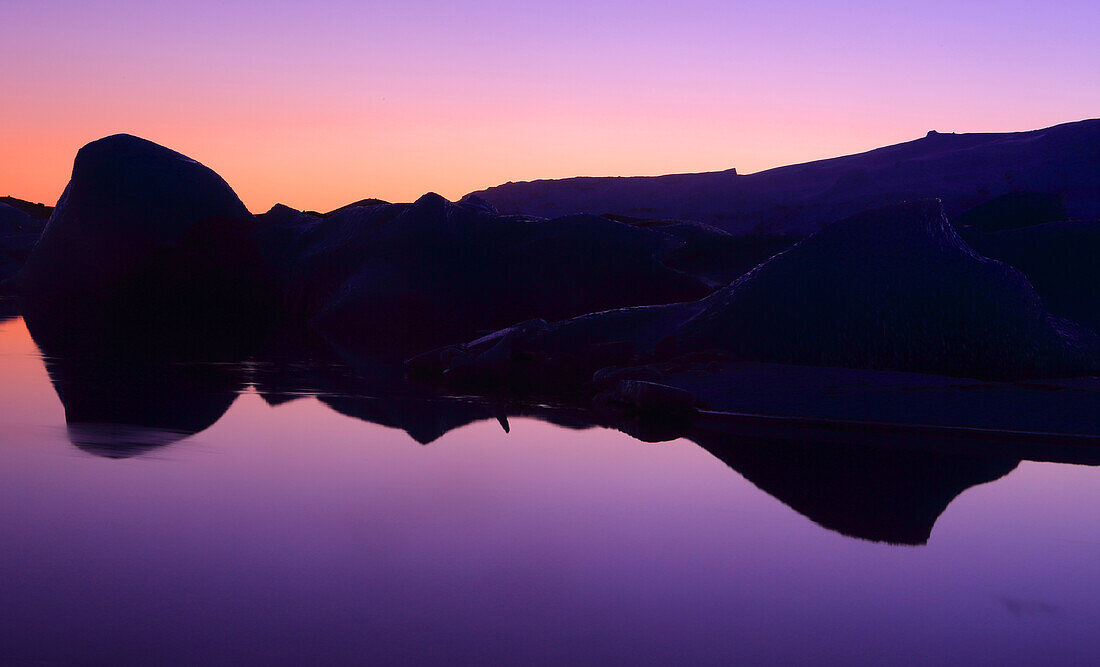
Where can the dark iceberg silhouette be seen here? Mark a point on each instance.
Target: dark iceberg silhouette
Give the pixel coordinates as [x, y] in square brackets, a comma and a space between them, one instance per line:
[40, 213]
[616, 311]
[709, 252]
[963, 170]
[155, 237]
[894, 288]
[1015, 210]
[148, 233]
[435, 271]
[1059, 260]
[127, 198]
[12, 220]
[864, 371]
[19, 231]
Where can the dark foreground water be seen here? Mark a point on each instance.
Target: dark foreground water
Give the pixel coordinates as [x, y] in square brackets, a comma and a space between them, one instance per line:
[296, 534]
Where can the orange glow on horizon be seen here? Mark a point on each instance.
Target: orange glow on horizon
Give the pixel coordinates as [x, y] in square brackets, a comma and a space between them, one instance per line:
[316, 108]
[325, 169]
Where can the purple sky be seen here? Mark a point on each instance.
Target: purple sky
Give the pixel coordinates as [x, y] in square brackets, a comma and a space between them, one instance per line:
[317, 104]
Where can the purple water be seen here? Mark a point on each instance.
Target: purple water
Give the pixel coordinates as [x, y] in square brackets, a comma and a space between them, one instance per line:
[294, 534]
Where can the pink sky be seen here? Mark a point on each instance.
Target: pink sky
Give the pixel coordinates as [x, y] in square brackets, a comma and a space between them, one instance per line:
[319, 104]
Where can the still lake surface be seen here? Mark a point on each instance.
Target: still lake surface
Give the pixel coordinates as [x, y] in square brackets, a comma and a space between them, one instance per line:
[292, 533]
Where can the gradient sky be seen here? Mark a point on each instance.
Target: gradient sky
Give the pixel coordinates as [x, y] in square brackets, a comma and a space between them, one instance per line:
[319, 104]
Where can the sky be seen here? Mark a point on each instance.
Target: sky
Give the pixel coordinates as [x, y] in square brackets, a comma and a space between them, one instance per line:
[316, 104]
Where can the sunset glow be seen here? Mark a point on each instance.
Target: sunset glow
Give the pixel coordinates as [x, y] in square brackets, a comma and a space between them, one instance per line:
[318, 105]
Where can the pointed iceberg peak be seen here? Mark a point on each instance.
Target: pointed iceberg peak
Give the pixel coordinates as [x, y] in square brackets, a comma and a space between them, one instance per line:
[431, 199]
[477, 204]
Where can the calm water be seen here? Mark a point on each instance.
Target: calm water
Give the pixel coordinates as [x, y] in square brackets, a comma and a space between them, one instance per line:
[294, 533]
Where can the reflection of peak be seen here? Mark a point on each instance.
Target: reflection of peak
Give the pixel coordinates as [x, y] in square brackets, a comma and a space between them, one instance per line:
[424, 420]
[123, 394]
[276, 399]
[118, 409]
[8, 309]
[121, 441]
[874, 493]
[370, 388]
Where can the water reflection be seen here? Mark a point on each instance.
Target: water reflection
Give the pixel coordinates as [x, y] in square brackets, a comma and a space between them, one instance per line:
[880, 493]
[127, 393]
[8, 309]
[373, 389]
[299, 535]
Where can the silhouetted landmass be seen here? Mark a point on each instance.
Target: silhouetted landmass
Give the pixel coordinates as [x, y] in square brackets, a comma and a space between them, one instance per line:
[893, 289]
[156, 250]
[712, 253]
[963, 170]
[12, 220]
[18, 234]
[844, 398]
[890, 289]
[879, 360]
[152, 236]
[123, 399]
[126, 199]
[1060, 261]
[370, 201]
[39, 212]
[416, 274]
[1015, 210]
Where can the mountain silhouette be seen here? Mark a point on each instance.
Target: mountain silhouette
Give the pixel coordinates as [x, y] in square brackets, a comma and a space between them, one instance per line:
[963, 170]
